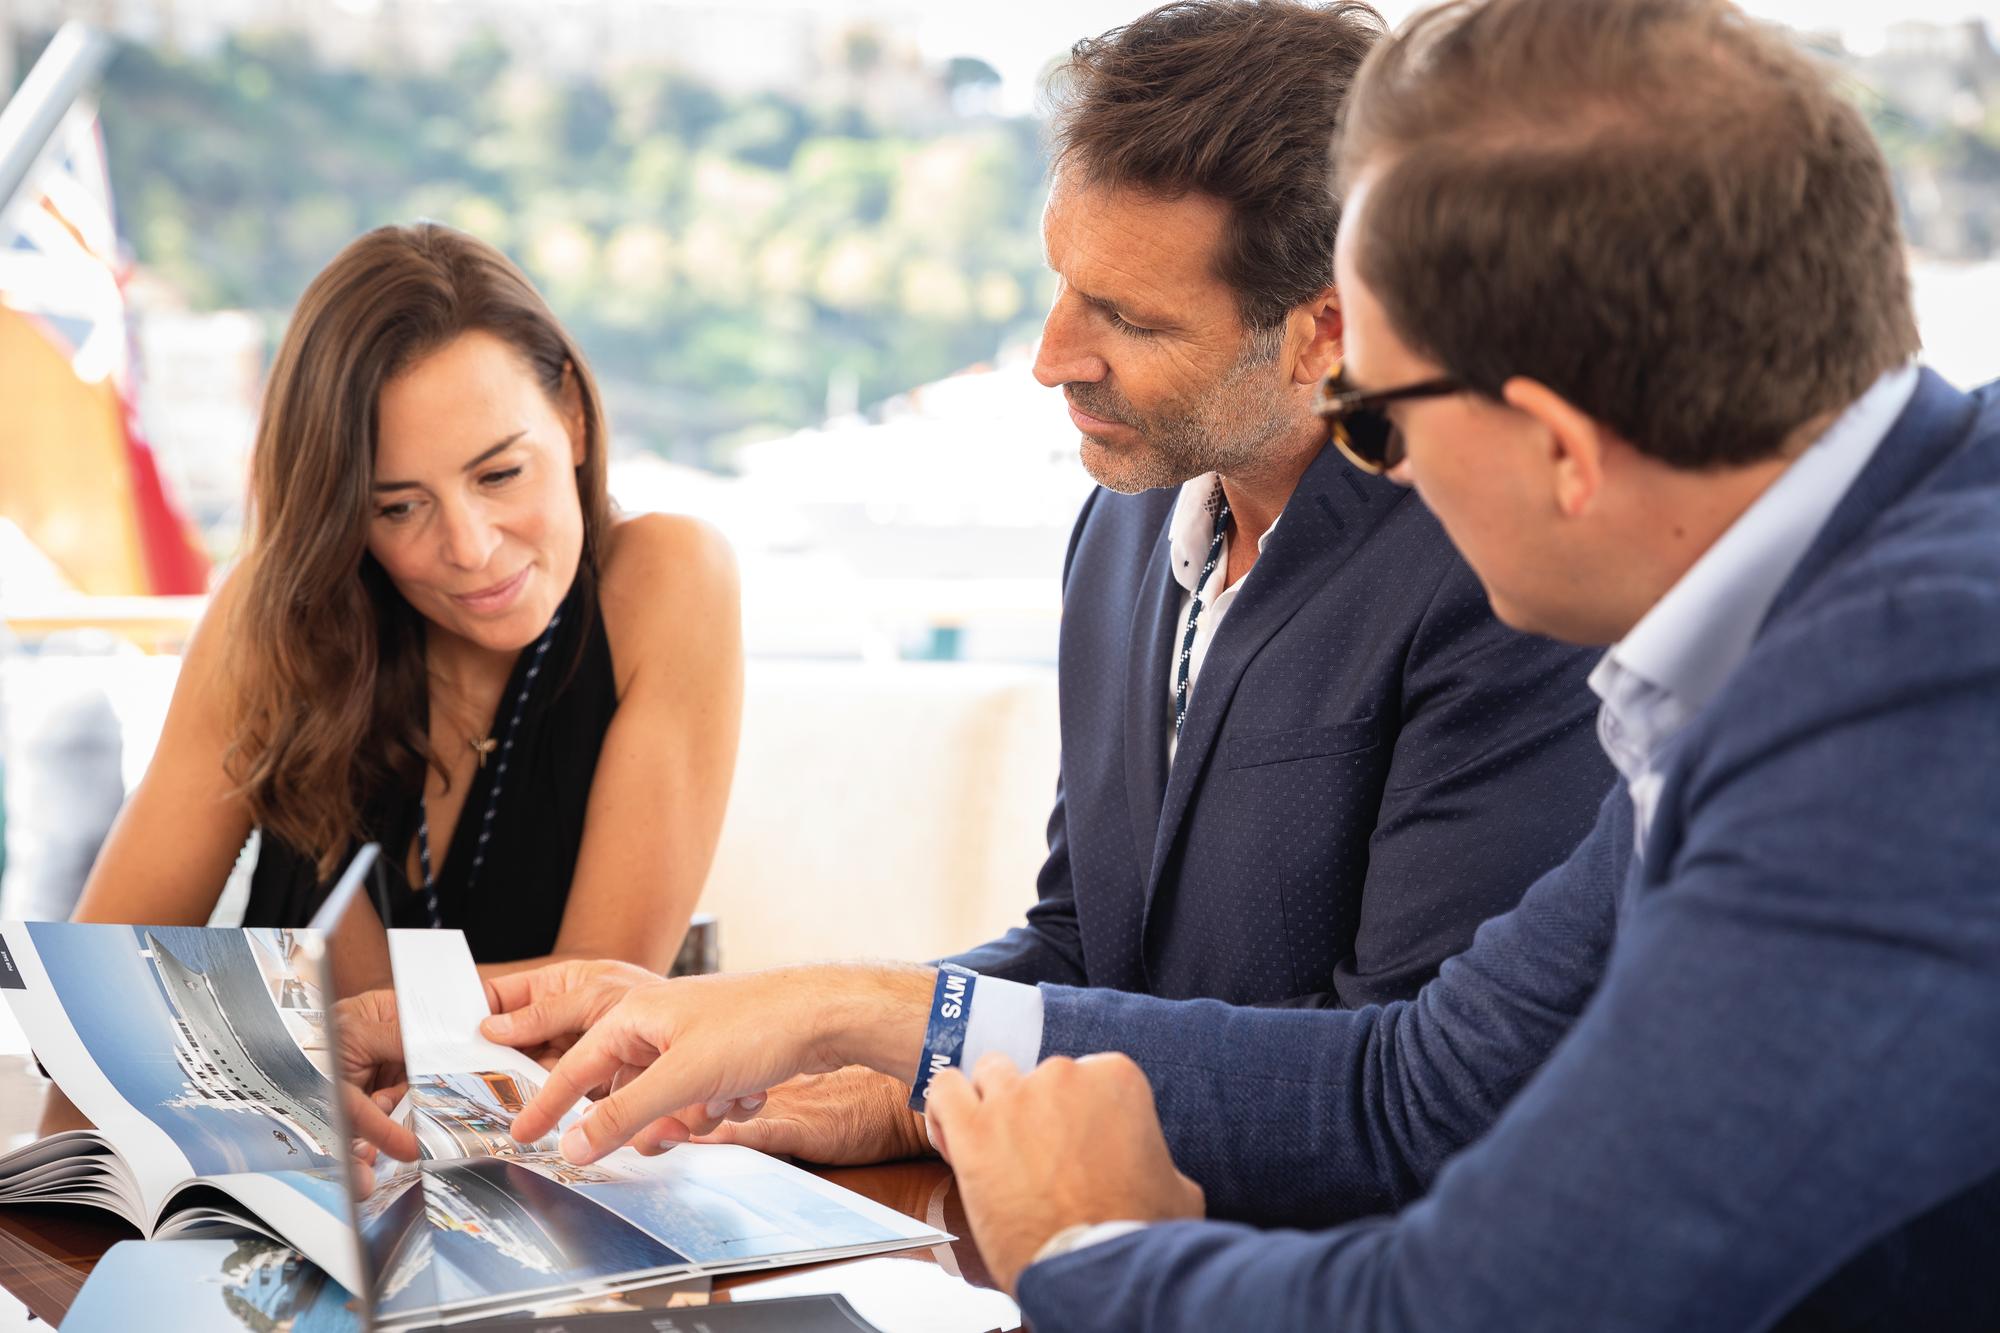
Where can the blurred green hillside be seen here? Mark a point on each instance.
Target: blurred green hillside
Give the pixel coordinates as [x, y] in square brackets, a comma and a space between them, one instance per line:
[723, 259]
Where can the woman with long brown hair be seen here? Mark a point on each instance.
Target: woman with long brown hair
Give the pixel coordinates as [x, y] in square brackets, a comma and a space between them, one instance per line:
[441, 638]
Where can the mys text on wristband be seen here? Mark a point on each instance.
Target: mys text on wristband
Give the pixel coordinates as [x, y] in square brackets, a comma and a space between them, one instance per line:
[944, 1037]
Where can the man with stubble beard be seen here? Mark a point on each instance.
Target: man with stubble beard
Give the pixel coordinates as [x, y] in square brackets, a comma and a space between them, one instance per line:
[1301, 761]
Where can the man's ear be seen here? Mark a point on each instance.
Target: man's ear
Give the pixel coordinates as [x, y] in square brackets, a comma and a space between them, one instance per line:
[569, 401]
[1318, 322]
[1576, 442]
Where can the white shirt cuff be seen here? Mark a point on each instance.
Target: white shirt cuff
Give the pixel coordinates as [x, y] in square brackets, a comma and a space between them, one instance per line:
[1082, 1236]
[1006, 1017]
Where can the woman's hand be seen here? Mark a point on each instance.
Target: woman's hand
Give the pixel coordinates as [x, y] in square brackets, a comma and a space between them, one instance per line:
[592, 982]
[370, 1071]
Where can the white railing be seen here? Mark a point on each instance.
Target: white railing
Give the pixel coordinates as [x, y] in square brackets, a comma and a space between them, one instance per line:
[858, 618]
[156, 623]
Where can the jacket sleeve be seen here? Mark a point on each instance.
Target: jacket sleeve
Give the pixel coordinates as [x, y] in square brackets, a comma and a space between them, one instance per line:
[1495, 777]
[1788, 1059]
[1340, 1113]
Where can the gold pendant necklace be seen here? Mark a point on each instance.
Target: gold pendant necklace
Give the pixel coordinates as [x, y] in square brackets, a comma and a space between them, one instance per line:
[482, 746]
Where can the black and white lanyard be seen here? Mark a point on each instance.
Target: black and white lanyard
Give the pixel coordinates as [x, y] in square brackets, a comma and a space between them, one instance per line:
[1194, 612]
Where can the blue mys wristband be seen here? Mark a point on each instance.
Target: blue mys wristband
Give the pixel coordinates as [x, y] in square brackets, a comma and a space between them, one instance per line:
[944, 1038]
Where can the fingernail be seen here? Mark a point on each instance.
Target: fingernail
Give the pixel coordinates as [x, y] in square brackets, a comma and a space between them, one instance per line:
[668, 1145]
[751, 1103]
[576, 1145]
[385, 1101]
[499, 1025]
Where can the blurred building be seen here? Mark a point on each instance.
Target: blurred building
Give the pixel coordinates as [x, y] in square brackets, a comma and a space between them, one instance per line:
[1939, 86]
[852, 50]
[1943, 72]
[934, 526]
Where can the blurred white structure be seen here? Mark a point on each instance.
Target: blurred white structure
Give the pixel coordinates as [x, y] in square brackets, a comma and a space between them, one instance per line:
[883, 810]
[888, 811]
[938, 530]
[1955, 305]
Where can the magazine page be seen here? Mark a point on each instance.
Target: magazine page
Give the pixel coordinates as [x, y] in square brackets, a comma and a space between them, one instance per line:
[104, 1054]
[200, 1286]
[307, 1209]
[499, 1230]
[729, 1208]
[516, 1219]
[200, 1056]
[88, 1173]
[440, 1002]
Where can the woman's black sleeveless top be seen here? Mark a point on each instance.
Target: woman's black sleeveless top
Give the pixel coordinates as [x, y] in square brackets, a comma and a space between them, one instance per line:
[515, 905]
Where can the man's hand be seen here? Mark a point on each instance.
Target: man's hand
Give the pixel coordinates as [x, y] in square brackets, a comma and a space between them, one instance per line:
[851, 1117]
[370, 1073]
[676, 1054]
[1070, 1142]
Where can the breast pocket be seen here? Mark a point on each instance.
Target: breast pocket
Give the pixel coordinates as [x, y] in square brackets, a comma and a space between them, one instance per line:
[1282, 747]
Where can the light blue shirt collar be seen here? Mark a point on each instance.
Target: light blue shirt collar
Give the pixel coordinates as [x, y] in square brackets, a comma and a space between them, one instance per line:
[1694, 637]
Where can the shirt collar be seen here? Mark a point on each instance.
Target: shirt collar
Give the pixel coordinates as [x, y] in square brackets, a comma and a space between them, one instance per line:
[1191, 530]
[1687, 645]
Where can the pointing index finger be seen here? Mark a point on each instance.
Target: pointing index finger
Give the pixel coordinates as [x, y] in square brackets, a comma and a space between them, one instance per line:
[584, 1066]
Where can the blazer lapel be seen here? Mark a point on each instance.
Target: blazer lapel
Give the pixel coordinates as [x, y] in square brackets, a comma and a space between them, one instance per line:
[1146, 720]
[1333, 508]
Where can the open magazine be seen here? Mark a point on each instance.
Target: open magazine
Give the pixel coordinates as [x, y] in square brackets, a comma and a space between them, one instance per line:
[203, 1060]
[199, 1058]
[512, 1226]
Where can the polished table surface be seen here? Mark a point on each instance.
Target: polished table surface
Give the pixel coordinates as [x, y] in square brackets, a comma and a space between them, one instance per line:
[46, 1252]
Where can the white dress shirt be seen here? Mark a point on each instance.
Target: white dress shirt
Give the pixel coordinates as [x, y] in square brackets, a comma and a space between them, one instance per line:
[1675, 660]
[1189, 531]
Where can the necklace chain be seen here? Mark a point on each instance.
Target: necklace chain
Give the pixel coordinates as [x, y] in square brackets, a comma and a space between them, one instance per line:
[484, 745]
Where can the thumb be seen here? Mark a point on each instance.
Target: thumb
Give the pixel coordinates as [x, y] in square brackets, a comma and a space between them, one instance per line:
[619, 1118]
[953, 1102]
[663, 1135]
[1196, 1196]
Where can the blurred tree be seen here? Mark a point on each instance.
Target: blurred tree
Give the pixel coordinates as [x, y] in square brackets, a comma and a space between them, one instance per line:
[969, 72]
[589, 119]
[720, 256]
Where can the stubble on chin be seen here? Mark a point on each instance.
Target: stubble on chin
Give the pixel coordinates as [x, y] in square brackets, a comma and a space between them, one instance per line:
[1128, 471]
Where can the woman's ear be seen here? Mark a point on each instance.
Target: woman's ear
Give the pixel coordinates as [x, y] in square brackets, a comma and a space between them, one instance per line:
[1574, 443]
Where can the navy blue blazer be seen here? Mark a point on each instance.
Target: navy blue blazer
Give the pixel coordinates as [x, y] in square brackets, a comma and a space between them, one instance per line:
[1370, 766]
[1744, 1077]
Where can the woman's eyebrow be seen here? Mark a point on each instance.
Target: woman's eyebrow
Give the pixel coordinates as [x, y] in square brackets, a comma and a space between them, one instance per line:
[481, 458]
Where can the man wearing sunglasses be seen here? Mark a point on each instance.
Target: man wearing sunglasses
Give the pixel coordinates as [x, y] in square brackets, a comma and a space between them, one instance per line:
[1626, 302]
[1301, 761]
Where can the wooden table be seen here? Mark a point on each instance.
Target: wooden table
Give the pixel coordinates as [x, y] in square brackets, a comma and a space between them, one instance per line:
[46, 1252]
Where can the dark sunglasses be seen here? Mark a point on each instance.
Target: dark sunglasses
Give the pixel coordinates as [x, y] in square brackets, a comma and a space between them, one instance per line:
[1361, 430]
